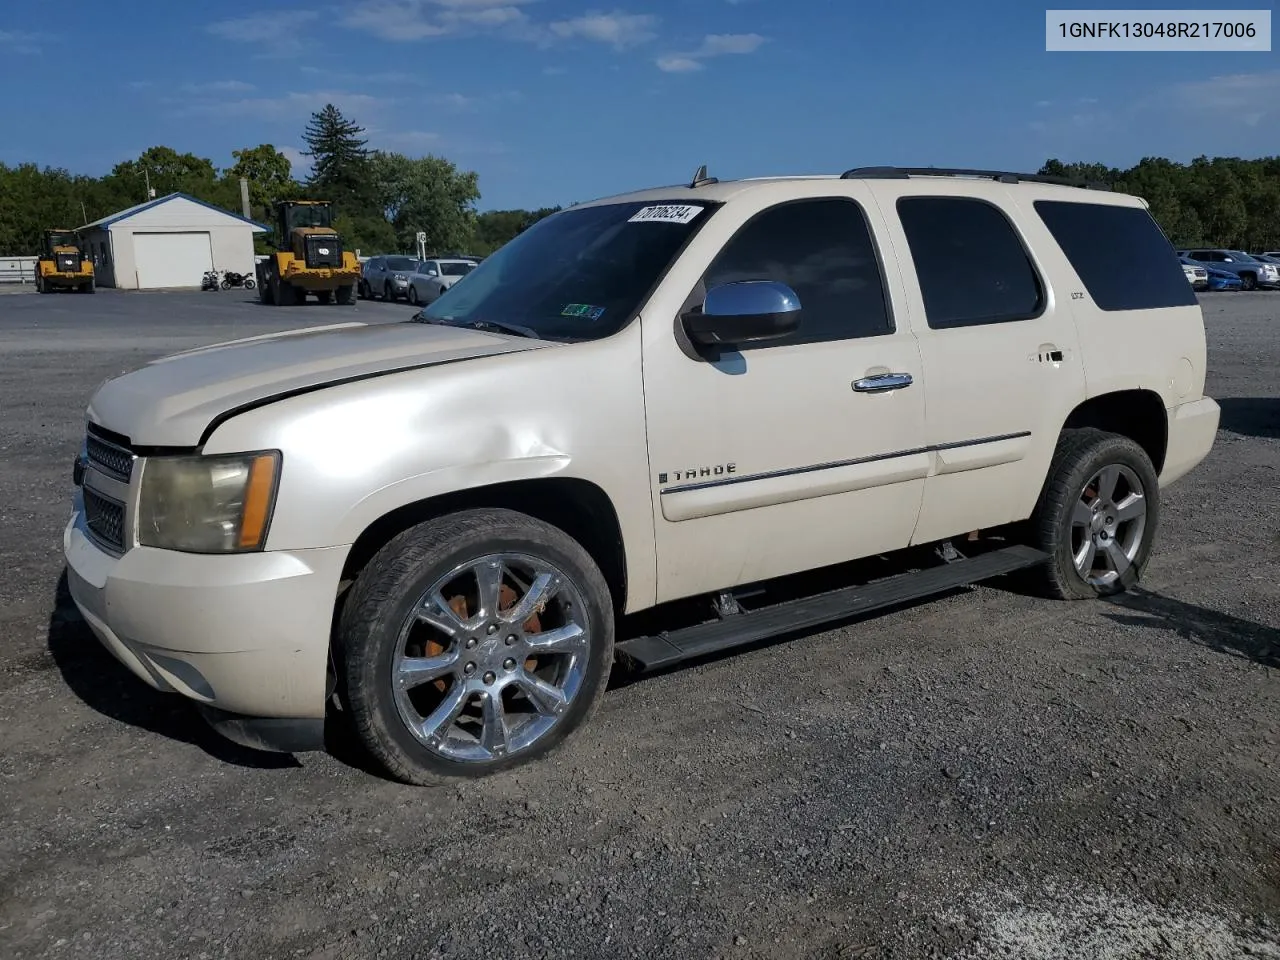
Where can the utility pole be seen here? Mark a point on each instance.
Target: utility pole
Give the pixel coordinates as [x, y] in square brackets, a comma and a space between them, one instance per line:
[147, 175]
[244, 198]
[84, 216]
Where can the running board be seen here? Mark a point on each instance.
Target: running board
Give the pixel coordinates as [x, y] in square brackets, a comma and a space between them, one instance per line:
[667, 648]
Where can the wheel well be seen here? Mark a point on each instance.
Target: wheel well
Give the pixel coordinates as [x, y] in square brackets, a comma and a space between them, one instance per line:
[578, 507]
[1136, 414]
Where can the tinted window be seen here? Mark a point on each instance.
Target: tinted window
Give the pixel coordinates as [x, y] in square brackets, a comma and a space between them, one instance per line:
[401, 263]
[1120, 254]
[823, 250]
[579, 274]
[456, 269]
[970, 263]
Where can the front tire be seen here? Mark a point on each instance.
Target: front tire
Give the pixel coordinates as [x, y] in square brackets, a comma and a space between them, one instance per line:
[1097, 515]
[473, 643]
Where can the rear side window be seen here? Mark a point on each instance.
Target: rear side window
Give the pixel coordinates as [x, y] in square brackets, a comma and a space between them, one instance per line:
[970, 262]
[1123, 258]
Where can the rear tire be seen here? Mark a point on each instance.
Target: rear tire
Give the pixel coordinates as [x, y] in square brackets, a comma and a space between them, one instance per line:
[391, 627]
[413, 295]
[344, 295]
[324, 296]
[1249, 280]
[1097, 515]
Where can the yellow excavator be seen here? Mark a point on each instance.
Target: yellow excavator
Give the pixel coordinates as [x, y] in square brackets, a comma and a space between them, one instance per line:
[309, 257]
[62, 264]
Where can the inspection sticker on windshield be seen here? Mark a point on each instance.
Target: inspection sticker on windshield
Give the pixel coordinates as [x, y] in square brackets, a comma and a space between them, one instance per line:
[669, 213]
[582, 310]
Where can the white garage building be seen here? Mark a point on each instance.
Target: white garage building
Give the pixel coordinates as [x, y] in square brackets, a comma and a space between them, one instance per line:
[168, 243]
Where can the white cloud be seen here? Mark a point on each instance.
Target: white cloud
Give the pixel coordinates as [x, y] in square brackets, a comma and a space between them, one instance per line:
[1236, 91]
[408, 20]
[256, 26]
[218, 86]
[392, 77]
[275, 33]
[713, 45]
[406, 139]
[293, 106]
[616, 28]
[678, 64]
[17, 41]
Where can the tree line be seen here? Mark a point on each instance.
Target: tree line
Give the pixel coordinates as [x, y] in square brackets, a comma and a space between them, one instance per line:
[383, 199]
[1220, 202]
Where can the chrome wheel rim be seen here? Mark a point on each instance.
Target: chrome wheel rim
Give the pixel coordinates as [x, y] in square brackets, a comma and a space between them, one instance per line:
[491, 658]
[1108, 524]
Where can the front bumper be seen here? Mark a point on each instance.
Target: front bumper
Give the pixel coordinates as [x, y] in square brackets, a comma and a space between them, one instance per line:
[1192, 429]
[245, 636]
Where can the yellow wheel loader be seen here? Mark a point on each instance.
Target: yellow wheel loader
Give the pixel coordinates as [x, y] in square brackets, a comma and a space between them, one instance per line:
[62, 264]
[309, 257]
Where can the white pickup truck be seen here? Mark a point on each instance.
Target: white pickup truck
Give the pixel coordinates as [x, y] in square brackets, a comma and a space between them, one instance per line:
[678, 392]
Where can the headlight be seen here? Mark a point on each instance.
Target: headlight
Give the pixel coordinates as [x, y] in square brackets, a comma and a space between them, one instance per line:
[214, 504]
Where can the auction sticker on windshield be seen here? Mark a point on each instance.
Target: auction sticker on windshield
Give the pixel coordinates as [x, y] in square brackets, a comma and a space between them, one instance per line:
[668, 213]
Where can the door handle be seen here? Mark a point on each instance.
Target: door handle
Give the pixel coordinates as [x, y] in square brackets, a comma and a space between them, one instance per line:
[882, 382]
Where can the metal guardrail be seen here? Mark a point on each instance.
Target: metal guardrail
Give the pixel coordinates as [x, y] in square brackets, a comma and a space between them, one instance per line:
[18, 269]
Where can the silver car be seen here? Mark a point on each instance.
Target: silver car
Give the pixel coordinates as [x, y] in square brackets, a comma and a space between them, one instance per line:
[434, 277]
[387, 277]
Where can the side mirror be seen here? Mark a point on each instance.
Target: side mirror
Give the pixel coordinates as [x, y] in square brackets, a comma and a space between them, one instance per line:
[746, 312]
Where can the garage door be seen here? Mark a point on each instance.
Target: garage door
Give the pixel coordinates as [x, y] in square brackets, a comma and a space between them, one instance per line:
[171, 259]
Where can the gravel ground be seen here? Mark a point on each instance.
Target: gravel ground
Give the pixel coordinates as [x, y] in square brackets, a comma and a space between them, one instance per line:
[987, 775]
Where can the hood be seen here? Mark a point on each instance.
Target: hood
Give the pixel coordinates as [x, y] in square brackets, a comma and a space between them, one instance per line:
[171, 401]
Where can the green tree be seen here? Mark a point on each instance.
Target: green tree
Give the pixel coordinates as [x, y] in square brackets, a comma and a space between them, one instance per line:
[167, 171]
[270, 177]
[429, 195]
[339, 160]
[494, 228]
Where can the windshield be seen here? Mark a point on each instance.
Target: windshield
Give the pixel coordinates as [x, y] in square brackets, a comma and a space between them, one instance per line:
[1241, 256]
[456, 269]
[308, 215]
[575, 275]
[401, 263]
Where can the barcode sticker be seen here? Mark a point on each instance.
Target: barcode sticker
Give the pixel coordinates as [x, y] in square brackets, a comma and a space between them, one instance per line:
[669, 213]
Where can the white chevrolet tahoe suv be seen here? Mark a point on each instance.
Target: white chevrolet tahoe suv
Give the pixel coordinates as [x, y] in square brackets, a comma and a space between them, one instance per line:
[433, 526]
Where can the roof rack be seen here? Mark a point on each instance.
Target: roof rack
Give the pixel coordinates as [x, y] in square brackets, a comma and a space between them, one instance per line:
[904, 173]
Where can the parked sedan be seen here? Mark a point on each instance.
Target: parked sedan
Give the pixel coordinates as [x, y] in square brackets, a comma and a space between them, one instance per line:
[387, 277]
[1224, 280]
[1196, 273]
[1252, 273]
[434, 277]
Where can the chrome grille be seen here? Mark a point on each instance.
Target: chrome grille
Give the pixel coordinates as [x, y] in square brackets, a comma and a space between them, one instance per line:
[110, 458]
[105, 519]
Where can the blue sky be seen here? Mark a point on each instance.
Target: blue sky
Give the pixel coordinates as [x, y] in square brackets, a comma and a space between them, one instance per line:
[556, 101]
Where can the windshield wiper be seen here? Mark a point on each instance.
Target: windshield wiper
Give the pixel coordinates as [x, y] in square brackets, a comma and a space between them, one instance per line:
[494, 326]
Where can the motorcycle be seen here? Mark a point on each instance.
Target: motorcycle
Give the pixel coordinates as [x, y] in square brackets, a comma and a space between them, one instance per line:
[232, 279]
[210, 281]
